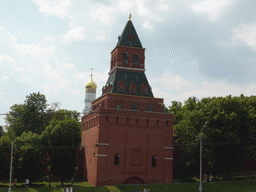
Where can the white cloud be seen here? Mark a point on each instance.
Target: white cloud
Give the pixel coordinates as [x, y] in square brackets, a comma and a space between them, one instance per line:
[70, 66]
[6, 58]
[57, 7]
[246, 33]
[39, 50]
[19, 69]
[211, 7]
[77, 34]
[102, 13]
[172, 82]
[25, 80]
[6, 37]
[200, 90]
[147, 25]
[163, 5]
[100, 36]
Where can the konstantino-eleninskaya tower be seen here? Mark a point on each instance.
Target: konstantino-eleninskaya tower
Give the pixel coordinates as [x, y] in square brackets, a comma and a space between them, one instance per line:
[127, 138]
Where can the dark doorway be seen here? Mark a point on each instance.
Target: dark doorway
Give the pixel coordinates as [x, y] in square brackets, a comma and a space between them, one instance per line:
[134, 180]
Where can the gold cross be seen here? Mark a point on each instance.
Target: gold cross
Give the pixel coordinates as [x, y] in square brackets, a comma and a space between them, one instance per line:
[130, 16]
[91, 73]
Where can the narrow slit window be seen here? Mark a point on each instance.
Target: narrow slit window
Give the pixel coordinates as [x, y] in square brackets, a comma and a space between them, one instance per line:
[117, 160]
[154, 161]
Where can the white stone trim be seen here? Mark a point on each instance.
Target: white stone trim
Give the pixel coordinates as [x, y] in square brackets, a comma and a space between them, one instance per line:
[168, 147]
[100, 155]
[167, 158]
[129, 68]
[101, 144]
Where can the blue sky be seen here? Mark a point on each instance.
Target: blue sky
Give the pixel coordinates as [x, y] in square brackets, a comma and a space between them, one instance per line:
[200, 48]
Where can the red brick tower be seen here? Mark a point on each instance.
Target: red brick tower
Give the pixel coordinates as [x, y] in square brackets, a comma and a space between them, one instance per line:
[127, 137]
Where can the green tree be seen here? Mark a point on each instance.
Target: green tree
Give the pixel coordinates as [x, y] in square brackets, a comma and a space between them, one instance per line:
[29, 116]
[175, 109]
[28, 157]
[1, 131]
[230, 132]
[62, 139]
[5, 153]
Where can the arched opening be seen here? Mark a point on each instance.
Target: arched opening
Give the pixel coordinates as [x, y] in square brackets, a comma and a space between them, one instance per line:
[134, 180]
[134, 107]
[135, 59]
[125, 58]
[154, 161]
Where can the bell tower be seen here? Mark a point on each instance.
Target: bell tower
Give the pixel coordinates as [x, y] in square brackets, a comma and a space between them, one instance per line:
[90, 95]
[128, 52]
[127, 137]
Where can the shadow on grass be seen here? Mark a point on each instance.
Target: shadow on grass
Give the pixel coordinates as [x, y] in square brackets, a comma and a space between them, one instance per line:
[184, 178]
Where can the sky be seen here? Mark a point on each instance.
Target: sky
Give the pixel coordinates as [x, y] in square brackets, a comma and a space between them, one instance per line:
[200, 48]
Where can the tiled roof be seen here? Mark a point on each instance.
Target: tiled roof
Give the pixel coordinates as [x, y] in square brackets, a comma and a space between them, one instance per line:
[124, 40]
[129, 76]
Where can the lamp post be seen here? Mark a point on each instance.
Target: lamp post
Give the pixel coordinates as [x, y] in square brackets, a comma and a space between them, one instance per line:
[200, 186]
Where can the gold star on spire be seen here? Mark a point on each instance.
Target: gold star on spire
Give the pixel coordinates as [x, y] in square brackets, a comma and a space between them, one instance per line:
[130, 16]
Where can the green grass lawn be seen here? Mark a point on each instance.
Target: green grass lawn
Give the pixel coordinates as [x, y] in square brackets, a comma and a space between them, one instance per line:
[228, 186]
[188, 183]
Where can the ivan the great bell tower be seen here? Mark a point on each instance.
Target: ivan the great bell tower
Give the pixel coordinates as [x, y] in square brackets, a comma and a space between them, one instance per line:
[127, 138]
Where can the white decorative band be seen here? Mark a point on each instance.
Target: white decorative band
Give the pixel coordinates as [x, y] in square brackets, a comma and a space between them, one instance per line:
[100, 155]
[168, 147]
[130, 68]
[167, 158]
[104, 144]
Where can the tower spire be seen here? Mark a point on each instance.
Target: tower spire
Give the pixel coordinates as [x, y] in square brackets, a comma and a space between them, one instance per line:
[130, 16]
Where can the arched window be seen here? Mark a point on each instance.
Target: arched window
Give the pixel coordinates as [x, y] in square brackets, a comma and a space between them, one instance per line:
[135, 59]
[149, 108]
[154, 161]
[118, 105]
[117, 158]
[134, 107]
[125, 58]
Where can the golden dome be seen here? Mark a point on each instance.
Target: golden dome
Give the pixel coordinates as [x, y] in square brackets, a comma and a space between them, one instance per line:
[91, 85]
